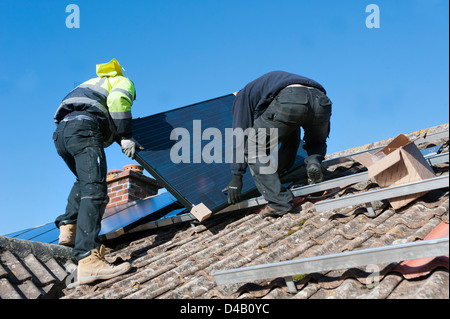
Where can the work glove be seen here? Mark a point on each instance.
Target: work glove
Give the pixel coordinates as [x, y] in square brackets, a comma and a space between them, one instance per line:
[234, 189]
[129, 147]
[314, 169]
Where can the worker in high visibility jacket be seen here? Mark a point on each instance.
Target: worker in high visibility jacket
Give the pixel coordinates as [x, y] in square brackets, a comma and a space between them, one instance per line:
[92, 116]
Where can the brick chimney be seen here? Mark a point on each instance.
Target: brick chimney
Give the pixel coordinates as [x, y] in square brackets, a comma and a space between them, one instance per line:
[129, 185]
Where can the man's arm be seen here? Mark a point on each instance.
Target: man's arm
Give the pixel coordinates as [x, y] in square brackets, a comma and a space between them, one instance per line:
[120, 100]
[242, 119]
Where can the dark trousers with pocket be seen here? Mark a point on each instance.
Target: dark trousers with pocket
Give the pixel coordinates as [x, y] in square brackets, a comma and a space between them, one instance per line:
[80, 144]
[292, 108]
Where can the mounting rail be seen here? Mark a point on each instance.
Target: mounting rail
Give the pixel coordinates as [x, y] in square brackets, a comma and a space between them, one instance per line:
[384, 193]
[344, 260]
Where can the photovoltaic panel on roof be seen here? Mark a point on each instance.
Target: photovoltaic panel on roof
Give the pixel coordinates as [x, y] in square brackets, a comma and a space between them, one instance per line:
[119, 219]
[116, 220]
[47, 233]
[194, 181]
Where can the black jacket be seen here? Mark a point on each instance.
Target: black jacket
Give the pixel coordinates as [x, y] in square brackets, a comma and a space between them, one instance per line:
[256, 96]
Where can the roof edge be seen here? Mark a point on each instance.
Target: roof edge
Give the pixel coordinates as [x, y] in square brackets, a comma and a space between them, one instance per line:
[22, 248]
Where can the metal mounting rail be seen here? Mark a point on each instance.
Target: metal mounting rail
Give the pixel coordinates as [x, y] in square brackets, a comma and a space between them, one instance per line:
[356, 178]
[345, 260]
[333, 183]
[326, 185]
[297, 191]
[303, 190]
[437, 159]
[384, 193]
[348, 157]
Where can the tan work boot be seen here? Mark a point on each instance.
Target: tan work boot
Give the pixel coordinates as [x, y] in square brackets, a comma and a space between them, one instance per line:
[95, 267]
[67, 234]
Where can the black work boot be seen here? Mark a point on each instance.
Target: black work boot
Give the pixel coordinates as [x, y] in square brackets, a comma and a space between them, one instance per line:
[314, 169]
[267, 211]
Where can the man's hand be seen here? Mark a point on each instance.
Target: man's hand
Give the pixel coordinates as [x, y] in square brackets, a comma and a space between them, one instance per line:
[129, 147]
[234, 189]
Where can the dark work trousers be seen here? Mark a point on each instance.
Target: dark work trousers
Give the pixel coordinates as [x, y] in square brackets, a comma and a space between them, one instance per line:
[292, 108]
[80, 143]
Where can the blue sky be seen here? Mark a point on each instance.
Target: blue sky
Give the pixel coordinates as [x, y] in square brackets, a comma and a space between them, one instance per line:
[383, 81]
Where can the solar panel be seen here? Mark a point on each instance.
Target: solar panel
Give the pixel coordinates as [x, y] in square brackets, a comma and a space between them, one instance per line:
[47, 233]
[116, 220]
[119, 219]
[192, 180]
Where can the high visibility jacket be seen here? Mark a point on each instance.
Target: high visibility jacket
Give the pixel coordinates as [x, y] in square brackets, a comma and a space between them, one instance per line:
[107, 98]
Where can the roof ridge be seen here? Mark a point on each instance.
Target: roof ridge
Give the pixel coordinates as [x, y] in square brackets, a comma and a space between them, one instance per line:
[43, 251]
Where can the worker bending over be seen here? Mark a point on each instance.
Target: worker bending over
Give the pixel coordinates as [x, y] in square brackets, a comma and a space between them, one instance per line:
[276, 105]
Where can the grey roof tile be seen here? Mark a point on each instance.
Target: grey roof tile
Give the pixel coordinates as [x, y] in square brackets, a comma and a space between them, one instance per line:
[434, 286]
[42, 276]
[7, 290]
[17, 271]
[3, 272]
[56, 269]
[30, 290]
[28, 272]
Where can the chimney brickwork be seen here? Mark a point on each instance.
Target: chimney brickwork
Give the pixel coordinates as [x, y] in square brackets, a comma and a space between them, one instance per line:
[129, 185]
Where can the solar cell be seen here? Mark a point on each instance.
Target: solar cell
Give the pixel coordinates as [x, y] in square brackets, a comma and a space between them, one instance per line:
[192, 178]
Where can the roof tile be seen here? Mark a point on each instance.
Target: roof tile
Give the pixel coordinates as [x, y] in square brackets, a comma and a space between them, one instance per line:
[42, 276]
[28, 272]
[30, 290]
[421, 267]
[7, 291]
[17, 272]
[434, 286]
